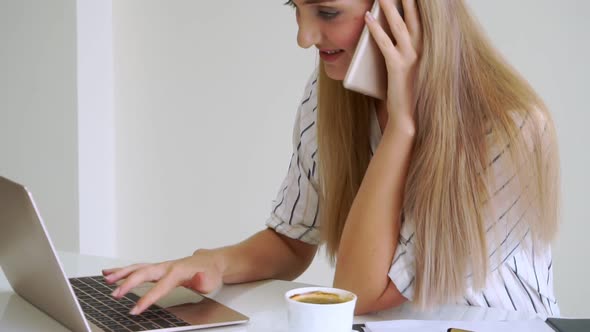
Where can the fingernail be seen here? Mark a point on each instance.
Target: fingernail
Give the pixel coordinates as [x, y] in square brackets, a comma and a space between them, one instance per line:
[134, 311]
[369, 16]
[115, 293]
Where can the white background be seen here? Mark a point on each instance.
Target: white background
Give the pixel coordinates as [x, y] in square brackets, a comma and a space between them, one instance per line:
[149, 128]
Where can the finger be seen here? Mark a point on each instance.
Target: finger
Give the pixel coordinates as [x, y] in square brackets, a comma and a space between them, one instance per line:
[121, 273]
[163, 287]
[106, 272]
[411, 16]
[149, 273]
[396, 24]
[381, 39]
[412, 19]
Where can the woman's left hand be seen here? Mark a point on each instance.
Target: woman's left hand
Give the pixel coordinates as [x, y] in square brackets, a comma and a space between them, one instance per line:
[401, 59]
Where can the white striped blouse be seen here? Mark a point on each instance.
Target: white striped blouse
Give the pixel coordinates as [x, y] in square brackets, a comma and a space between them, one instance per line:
[520, 277]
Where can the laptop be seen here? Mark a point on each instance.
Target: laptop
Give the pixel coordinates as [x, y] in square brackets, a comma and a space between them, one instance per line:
[30, 263]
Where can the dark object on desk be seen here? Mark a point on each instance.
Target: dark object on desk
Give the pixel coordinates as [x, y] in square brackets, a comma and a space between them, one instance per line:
[569, 324]
[361, 328]
[358, 327]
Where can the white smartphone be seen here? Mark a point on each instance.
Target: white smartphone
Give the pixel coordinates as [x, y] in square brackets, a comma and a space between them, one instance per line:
[367, 73]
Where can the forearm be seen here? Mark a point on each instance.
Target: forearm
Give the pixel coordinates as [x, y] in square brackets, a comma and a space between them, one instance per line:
[265, 255]
[371, 232]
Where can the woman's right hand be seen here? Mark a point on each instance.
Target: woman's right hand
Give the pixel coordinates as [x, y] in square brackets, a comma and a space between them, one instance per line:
[202, 272]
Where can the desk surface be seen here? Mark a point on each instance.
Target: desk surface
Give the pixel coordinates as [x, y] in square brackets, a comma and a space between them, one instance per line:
[261, 301]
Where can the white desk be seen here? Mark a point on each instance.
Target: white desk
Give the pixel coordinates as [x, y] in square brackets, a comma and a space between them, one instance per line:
[261, 301]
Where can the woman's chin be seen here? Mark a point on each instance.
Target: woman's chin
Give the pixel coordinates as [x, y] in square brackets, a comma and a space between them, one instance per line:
[335, 73]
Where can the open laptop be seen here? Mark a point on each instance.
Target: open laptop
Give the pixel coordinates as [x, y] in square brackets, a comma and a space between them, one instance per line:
[29, 261]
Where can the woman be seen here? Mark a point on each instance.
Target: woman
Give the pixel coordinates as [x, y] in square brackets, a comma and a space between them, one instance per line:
[446, 192]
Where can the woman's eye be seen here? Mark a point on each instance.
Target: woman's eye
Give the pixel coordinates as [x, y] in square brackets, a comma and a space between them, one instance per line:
[328, 14]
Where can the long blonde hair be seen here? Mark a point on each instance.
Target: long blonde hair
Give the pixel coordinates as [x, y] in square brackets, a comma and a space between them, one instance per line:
[464, 89]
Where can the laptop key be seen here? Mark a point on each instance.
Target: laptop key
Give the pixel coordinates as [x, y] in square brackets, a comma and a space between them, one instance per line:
[104, 320]
[166, 315]
[135, 328]
[150, 316]
[127, 322]
[110, 312]
[163, 323]
[139, 319]
[111, 324]
[150, 325]
[119, 329]
[120, 318]
[91, 313]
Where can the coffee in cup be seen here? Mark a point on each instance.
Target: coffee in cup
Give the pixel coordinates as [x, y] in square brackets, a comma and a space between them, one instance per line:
[320, 297]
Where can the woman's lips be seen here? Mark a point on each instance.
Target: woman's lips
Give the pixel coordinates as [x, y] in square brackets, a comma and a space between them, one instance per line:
[330, 55]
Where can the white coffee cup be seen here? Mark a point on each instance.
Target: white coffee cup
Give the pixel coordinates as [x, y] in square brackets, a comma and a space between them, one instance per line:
[315, 317]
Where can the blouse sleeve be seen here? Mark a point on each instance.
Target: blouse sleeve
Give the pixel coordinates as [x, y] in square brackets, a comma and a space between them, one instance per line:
[295, 210]
[403, 267]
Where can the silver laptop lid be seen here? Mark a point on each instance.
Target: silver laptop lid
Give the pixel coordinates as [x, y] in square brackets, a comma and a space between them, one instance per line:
[29, 260]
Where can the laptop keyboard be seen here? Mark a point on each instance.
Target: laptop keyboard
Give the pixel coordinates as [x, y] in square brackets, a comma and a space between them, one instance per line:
[112, 315]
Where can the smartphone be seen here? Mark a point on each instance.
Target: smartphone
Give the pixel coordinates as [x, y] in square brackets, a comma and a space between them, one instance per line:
[367, 73]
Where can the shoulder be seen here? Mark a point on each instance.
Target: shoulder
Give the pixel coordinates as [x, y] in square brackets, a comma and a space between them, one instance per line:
[305, 131]
[530, 128]
[309, 99]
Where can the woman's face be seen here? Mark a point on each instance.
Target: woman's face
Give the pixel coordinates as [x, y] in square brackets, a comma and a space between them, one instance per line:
[334, 28]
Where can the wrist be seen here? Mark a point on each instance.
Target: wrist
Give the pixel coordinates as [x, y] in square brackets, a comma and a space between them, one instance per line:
[400, 127]
[216, 257]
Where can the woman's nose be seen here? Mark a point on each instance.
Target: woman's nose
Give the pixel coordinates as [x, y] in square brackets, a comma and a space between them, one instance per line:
[308, 34]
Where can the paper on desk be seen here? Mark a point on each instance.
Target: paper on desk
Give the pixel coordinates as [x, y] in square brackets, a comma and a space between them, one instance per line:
[533, 325]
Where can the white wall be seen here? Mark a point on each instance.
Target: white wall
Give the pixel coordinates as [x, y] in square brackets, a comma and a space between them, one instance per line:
[205, 103]
[96, 132]
[38, 139]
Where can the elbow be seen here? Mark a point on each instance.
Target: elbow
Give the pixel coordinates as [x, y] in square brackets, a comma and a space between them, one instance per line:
[364, 307]
[369, 301]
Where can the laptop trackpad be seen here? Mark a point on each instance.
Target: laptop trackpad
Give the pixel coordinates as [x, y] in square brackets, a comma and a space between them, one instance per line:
[194, 308]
